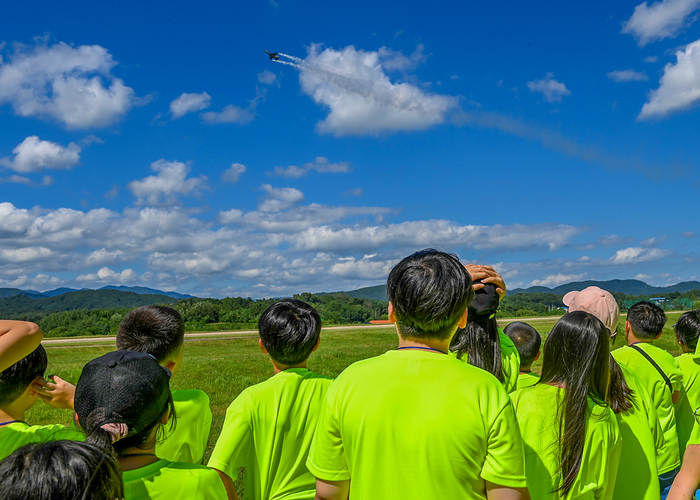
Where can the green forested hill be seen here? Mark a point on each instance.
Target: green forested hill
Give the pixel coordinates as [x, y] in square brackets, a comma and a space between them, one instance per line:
[21, 305]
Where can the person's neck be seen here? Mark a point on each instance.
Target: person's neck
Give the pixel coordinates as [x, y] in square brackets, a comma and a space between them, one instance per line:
[687, 350]
[135, 458]
[428, 344]
[633, 339]
[11, 413]
[279, 367]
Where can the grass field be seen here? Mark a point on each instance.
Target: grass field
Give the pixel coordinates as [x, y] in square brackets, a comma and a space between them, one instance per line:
[224, 367]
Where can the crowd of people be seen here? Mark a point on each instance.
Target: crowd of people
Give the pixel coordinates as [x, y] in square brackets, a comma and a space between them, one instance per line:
[455, 412]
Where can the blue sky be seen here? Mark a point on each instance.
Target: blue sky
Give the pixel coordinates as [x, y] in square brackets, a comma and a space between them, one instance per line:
[158, 145]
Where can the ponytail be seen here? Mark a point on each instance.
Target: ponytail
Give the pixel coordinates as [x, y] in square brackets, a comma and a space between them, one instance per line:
[480, 342]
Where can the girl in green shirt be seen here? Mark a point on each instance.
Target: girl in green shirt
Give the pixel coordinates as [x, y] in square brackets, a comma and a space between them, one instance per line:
[572, 451]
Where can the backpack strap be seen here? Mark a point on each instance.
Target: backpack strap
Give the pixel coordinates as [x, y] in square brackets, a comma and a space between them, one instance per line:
[653, 363]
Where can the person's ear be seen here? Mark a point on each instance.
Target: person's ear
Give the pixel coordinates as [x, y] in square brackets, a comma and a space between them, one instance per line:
[33, 392]
[463, 319]
[539, 353]
[166, 417]
[628, 328]
[659, 335]
[392, 313]
[262, 347]
[170, 366]
[318, 343]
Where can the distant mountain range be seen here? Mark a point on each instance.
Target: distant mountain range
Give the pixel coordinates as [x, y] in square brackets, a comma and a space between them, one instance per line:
[139, 290]
[629, 287]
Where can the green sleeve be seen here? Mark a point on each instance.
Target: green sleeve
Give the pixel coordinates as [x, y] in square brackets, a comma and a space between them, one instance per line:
[233, 448]
[327, 456]
[505, 456]
[676, 376]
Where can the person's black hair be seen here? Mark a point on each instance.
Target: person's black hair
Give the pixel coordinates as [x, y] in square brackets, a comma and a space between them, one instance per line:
[687, 328]
[620, 394]
[155, 330]
[429, 291]
[61, 470]
[480, 343]
[576, 356]
[646, 319]
[15, 379]
[289, 330]
[526, 339]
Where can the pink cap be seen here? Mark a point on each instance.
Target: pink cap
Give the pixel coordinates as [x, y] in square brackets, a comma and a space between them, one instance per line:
[596, 301]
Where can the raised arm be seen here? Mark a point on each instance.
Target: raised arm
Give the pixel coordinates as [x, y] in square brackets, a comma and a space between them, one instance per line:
[17, 340]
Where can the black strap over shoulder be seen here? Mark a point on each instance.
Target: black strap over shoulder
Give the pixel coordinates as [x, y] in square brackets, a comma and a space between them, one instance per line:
[653, 363]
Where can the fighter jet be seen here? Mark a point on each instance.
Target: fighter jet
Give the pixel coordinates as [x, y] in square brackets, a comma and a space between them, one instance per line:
[273, 55]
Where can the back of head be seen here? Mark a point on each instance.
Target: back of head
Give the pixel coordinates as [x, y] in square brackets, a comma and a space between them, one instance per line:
[155, 330]
[289, 330]
[687, 328]
[576, 355]
[61, 470]
[121, 397]
[600, 303]
[526, 339]
[646, 319]
[429, 291]
[15, 379]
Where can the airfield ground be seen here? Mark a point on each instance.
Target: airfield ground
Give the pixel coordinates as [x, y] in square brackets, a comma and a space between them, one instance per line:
[224, 363]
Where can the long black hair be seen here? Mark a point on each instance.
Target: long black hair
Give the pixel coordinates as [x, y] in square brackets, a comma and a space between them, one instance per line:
[620, 394]
[576, 356]
[61, 470]
[480, 343]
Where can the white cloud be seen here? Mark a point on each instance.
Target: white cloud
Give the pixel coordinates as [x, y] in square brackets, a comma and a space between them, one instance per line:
[653, 242]
[233, 173]
[72, 85]
[392, 60]
[353, 192]
[320, 165]
[267, 77]
[106, 275]
[189, 103]
[555, 280]
[235, 114]
[35, 155]
[689, 234]
[551, 89]
[679, 88]
[170, 180]
[362, 99]
[628, 75]
[634, 255]
[663, 19]
[278, 199]
[651, 59]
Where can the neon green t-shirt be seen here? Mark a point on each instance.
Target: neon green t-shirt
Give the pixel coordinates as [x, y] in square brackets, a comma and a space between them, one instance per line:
[527, 379]
[165, 480]
[690, 398]
[694, 438]
[188, 441]
[17, 434]
[540, 432]
[510, 360]
[642, 442]
[268, 430]
[659, 392]
[413, 424]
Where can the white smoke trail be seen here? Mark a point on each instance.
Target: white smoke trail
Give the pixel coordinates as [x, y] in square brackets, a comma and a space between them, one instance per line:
[367, 89]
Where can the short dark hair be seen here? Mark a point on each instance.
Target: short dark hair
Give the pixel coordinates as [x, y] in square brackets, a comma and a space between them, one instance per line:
[526, 339]
[687, 328]
[429, 290]
[289, 330]
[646, 319]
[155, 330]
[15, 379]
[61, 469]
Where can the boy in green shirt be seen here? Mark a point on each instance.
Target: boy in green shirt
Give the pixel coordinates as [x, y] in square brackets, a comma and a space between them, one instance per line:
[17, 395]
[160, 332]
[527, 341]
[687, 330]
[269, 426]
[415, 423]
[661, 375]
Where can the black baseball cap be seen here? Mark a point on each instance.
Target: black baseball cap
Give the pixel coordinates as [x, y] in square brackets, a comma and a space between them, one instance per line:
[485, 303]
[122, 387]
